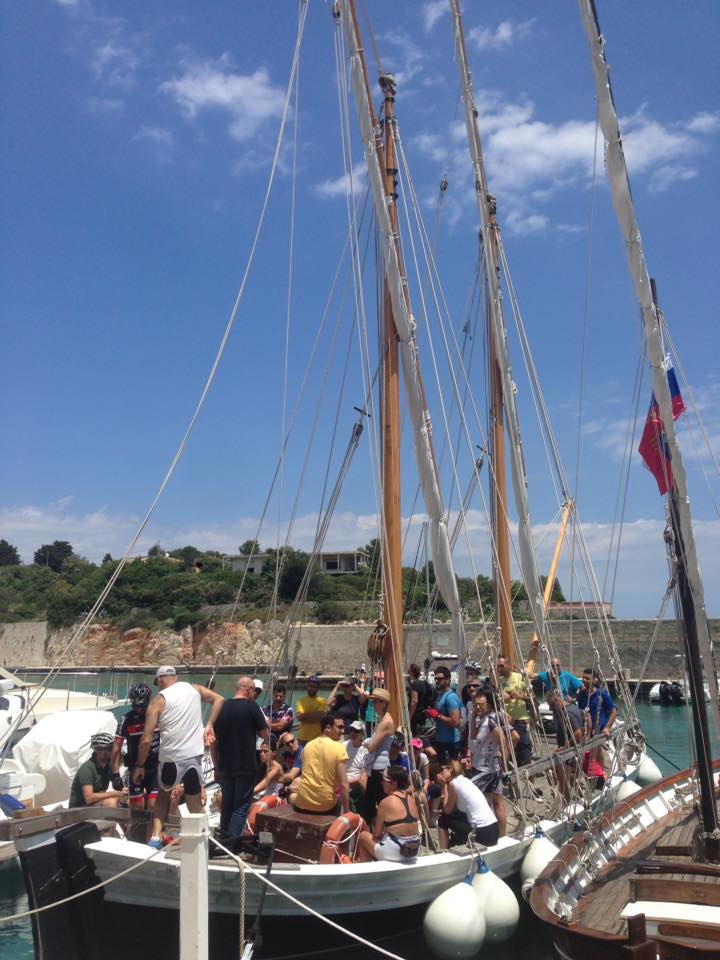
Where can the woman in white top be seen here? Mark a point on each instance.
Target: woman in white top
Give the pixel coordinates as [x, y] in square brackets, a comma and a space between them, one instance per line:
[464, 808]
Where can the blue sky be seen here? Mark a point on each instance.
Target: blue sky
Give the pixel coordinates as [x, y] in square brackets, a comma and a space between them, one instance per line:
[137, 144]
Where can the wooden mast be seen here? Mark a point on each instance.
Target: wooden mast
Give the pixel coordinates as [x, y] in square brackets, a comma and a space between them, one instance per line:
[393, 647]
[498, 474]
[390, 405]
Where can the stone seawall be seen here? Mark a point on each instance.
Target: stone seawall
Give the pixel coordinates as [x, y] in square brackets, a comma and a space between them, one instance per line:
[332, 649]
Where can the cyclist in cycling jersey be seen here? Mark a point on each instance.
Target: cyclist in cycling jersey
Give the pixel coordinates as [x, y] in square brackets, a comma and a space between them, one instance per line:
[130, 729]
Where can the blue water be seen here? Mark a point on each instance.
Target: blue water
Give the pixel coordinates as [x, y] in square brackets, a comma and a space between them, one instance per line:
[666, 730]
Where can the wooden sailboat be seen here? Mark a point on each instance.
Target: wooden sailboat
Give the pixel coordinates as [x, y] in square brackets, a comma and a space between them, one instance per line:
[297, 870]
[644, 881]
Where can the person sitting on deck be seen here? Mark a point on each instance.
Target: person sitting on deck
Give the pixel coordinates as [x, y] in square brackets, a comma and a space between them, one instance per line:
[359, 764]
[396, 835]
[324, 771]
[490, 736]
[269, 773]
[396, 752]
[464, 809]
[554, 678]
[90, 784]
[309, 711]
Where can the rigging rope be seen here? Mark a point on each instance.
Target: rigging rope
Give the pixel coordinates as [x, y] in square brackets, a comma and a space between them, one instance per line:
[89, 618]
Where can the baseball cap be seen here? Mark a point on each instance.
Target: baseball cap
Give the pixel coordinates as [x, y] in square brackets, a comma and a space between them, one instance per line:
[166, 671]
[258, 684]
[417, 743]
[357, 725]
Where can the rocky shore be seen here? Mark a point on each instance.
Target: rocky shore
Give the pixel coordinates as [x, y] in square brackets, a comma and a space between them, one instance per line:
[332, 649]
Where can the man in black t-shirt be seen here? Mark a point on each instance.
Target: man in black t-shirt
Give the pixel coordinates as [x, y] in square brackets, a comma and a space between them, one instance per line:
[420, 696]
[239, 724]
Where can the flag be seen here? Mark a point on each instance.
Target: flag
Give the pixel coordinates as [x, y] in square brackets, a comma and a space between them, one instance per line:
[653, 444]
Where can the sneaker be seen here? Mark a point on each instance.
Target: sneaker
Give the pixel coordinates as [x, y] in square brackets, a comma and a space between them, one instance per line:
[155, 843]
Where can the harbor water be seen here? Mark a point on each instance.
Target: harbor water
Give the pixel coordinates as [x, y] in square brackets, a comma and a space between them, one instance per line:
[666, 730]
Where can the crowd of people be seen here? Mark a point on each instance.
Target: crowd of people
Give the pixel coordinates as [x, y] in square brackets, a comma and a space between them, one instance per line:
[346, 753]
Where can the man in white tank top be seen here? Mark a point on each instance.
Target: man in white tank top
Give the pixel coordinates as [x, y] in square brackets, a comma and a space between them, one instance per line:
[177, 712]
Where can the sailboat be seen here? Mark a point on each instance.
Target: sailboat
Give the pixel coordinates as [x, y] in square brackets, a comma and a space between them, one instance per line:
[644, 879]
[382, 887]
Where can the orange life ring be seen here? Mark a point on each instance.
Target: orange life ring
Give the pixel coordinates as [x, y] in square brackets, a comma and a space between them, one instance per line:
[265, 803]
[339, 832]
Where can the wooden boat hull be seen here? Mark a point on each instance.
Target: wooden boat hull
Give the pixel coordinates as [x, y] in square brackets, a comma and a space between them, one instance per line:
[628, 864]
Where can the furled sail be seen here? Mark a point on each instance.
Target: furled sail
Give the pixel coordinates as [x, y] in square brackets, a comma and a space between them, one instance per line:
[528, 564]
[625, 214]
[405, 327]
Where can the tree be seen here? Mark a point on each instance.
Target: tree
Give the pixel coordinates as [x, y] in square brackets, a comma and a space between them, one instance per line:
[53, 554]
[250, 547]
[9, 557]
[557, 596]
[107, 559]
[156, 551]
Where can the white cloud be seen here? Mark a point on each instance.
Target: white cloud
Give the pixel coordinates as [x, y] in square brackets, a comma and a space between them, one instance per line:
[110, 105]
[529, 160]
[340, 186]
[432, 11]
[249, 99]
[503, 36]
[92, 534]
[161, 139]
[115, 63]
[704, 123]
[406, 63]
[640, 582]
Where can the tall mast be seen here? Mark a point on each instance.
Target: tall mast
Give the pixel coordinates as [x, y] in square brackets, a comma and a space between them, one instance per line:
[689, 584]
[503, 413]
[390, 405]
[497, 475]
[390, 536]
[400, 334]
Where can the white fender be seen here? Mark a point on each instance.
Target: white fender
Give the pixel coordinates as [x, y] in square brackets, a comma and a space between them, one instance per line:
[539, 855]
[454, 925]
[648, 771]
[498, 903]
[626, 789]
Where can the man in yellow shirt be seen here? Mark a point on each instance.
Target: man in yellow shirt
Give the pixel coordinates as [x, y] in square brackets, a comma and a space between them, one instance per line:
[516, 698]
[310, 710]
[324, 771]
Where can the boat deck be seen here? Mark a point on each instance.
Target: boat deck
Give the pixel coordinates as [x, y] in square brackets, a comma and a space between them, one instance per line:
[657, 869]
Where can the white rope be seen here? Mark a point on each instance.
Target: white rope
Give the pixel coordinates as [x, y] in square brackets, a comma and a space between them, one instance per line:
[89, 618]
[303, 906]
[82, 893]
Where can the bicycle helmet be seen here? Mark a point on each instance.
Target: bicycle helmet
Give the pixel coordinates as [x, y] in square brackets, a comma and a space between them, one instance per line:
[139, 695]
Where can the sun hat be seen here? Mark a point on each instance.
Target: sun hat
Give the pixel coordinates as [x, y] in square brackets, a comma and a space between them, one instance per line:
[166, 671]
[380, 694]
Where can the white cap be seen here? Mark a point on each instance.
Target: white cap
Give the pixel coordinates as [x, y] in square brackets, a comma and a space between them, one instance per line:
[166, 671]
[258, 684]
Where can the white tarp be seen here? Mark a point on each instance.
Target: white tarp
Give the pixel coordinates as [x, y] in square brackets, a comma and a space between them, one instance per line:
[405, 326]
[57, 745]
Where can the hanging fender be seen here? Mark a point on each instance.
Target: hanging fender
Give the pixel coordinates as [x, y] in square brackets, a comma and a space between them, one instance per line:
[265, 803]
[339, 832]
